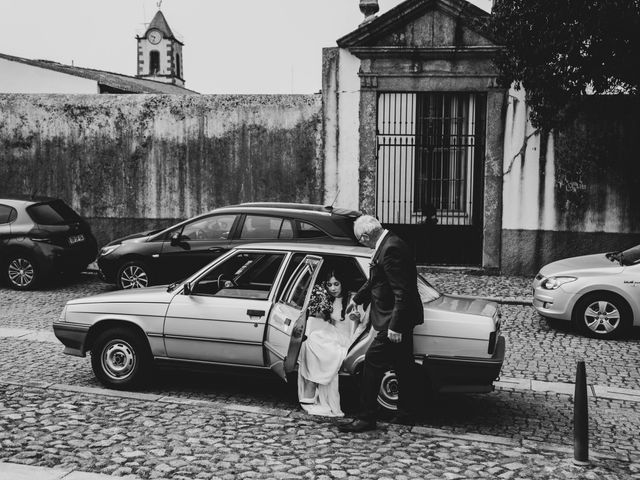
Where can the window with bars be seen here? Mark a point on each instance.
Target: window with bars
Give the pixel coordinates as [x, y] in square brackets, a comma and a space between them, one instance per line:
[428, 147]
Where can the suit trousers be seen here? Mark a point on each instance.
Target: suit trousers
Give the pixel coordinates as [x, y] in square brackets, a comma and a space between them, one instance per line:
[381, 356]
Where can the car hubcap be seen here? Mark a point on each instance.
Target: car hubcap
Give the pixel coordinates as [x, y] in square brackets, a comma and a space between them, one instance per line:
[388, 395]
[21, 272]
[134, 277]
[118, 359]
[602, 317]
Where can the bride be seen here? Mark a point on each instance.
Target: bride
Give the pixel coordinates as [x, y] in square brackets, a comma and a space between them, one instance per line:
[330, 332]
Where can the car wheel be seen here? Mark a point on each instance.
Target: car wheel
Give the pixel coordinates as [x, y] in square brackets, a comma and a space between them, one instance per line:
[602, 315]
[21, 272]
[120, 359]
[133, 275]
[388, 393]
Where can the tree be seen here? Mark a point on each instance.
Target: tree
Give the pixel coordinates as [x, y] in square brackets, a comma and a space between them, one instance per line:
[561, 50]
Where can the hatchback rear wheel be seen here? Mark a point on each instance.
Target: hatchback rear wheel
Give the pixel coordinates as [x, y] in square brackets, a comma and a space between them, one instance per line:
[21, 272]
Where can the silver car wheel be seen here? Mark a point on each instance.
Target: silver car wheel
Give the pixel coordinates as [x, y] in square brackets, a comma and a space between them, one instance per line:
[133, 276]
[388, 394]
[118, 359]
[602, 317]
[21, 272]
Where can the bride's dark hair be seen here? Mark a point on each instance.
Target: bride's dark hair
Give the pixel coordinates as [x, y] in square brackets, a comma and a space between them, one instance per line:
[337, 274]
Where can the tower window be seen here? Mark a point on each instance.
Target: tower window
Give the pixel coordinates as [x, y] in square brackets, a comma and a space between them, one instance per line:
[178, 66]
[154, 62]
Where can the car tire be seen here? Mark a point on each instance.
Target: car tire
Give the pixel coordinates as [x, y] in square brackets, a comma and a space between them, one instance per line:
[602, 315]
[121, 359]
[21, 272]
[133, 274]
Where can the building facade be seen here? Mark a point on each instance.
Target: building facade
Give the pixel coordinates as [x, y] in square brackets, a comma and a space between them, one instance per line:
[413, 111]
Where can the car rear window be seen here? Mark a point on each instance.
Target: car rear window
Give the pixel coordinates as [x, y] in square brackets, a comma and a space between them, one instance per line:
[55, 212]
[7, 214]
[306, 230]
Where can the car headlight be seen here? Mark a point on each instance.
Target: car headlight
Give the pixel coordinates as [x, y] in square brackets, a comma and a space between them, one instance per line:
[553, 283]
[104, 251]
[63, 315]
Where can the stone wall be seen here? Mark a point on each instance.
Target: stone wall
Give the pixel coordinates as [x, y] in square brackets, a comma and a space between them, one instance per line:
[575, 191]
[131, 162]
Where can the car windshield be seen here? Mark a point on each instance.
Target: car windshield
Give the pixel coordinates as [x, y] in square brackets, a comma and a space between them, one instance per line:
[52, 213]
[426, 290]
[630, 256]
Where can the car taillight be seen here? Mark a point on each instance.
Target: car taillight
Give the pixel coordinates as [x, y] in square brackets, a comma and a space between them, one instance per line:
[493, 337]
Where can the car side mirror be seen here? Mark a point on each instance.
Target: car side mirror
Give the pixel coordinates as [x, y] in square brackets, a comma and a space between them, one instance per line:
[186, 290]
[175, 239]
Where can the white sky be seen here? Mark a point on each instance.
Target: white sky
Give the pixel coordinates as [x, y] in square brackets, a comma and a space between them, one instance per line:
[231, 46]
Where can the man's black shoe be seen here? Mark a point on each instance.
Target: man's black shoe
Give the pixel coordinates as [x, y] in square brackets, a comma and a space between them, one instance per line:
[357, 426]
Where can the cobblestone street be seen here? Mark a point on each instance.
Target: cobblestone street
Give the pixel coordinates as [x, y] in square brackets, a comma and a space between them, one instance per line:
[54, 413]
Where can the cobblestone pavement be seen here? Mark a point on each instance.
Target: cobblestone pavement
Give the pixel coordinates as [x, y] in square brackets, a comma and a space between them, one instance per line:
[185, 441]
[53, 427]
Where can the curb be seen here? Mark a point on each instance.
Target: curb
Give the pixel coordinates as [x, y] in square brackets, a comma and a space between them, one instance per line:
[297, 414]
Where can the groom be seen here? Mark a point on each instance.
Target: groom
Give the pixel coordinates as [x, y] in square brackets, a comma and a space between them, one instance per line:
[396, 308]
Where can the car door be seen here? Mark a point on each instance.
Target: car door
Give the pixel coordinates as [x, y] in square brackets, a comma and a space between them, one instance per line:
[288, 318]
[196, 243]
[221, 316]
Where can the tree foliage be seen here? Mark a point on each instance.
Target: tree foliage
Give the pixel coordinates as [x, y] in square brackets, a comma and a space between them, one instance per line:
[561, 50]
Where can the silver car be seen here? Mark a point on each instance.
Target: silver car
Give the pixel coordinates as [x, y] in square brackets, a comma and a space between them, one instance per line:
[248, 309]
[599, 293]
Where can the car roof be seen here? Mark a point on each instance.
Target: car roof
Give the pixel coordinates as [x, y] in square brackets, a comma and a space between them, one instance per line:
[319, 248]
[23, 200]
[299, 207]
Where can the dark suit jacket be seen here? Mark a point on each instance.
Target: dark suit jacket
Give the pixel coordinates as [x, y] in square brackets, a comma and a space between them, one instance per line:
[392, 288]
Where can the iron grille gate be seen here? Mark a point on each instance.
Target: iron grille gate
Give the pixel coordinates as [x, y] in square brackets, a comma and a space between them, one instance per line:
[429, 172]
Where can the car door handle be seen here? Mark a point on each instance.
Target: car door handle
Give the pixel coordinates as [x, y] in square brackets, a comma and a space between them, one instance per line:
[255, 313]
[216, 249]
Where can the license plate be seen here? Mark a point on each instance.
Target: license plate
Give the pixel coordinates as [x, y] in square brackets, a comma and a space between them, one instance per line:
[75, 239]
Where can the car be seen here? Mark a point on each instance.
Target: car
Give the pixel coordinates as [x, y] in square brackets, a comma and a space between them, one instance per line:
[164, 256]
[41, 237]
[248, 309]
[599, 293]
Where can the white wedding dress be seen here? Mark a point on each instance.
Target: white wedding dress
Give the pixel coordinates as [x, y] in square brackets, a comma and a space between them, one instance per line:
[320, 359]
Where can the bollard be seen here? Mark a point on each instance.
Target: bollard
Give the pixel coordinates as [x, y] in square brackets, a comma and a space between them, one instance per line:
[580, 418]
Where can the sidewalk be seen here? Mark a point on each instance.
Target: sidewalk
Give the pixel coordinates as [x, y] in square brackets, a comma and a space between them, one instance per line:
[17, 471]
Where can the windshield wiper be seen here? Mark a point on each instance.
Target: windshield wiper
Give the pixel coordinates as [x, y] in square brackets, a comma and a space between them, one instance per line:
[173, 286]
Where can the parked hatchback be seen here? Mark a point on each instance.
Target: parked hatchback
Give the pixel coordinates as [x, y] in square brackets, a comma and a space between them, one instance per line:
[40, 237]
[165, 256]
[599, 293]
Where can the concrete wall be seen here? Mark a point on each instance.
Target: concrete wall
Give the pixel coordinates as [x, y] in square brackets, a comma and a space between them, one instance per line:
[341, 99]
[574, 192]
[129, 162]
[16, 77]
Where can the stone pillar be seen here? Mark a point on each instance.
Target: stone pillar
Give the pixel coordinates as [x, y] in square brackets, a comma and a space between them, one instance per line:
[493, 167]
[368, 141]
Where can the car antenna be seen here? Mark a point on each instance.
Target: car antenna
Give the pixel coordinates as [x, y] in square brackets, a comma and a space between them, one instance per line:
[330, 207]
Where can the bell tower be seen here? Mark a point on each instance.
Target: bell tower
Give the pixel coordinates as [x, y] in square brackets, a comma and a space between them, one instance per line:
[160, 53]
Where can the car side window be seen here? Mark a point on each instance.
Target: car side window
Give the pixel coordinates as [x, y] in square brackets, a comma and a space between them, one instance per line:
[244, 275]
[215, 227]
[262, 227]
[7, 214]
[296, 292]
[307, 230]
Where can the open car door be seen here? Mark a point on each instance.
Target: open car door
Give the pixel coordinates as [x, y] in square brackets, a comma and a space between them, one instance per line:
[288, 319]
